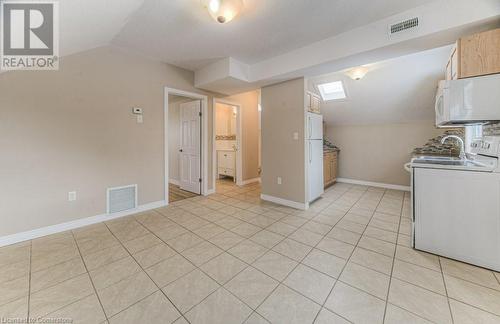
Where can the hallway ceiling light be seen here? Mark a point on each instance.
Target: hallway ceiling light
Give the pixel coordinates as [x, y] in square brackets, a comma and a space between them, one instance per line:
[357, 73]
[223, 11]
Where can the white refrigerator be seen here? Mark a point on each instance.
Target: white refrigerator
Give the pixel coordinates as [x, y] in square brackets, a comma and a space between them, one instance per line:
[315, 155]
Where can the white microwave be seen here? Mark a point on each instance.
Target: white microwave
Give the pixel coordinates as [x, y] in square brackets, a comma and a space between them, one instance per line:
[469, 101]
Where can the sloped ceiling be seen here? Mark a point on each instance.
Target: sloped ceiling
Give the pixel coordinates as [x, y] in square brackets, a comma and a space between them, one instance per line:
[87, 24]
[181, 32]
[393, 91]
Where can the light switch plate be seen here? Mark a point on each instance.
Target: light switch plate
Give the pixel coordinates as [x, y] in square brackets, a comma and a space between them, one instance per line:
[296, 136]
[140, 120]
[280, 180]
[72, 196]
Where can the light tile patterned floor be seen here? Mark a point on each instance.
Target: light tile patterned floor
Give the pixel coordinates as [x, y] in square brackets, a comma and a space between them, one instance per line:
[231, 258]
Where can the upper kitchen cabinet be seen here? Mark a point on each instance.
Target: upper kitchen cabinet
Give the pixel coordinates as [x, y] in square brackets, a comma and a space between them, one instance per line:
[475, 55]
[313, 102]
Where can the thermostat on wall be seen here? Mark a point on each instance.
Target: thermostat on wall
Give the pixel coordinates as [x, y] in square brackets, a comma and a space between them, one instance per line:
[137, 111]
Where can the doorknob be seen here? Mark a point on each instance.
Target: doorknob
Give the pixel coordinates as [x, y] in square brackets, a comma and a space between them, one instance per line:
[180, 150]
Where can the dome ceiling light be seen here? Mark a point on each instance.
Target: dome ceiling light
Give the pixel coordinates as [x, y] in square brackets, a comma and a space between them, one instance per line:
[223, 11]
[357, 73]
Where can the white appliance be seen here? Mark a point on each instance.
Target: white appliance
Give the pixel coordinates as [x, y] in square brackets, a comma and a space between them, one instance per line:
[468, 101]
[456, 205]
[315, 155]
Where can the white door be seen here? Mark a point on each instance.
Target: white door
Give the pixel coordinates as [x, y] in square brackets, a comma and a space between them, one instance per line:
[315, 169]
[190, 178]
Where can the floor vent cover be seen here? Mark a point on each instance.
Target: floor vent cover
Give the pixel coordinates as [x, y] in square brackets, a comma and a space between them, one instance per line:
[121, 198]
[403, 25]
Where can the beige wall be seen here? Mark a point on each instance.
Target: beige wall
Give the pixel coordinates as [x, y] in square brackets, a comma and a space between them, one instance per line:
[73, 130]
[378, 152]
[283, 113]
[250, 132]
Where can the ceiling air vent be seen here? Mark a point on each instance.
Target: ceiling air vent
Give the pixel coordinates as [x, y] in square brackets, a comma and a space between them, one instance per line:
[403, 25]
[121, 198]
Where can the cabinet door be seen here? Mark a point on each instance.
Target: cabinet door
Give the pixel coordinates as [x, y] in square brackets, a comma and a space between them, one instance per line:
[315, 104]
[327, 175]
[222, 159]
[231, 160]
[334, 167]
[479, 54]
[308, 101]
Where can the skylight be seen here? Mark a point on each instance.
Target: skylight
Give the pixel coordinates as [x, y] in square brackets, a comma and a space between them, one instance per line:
[332, 91]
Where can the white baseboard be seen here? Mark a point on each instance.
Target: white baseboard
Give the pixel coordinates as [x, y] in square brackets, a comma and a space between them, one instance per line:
[53, 229]
[174, 182]
[249, 181]
[210, 192]
[285, 202]
[374, 184]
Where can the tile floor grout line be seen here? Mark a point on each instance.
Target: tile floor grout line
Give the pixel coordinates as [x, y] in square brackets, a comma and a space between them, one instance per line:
[307, 219]
[350, 255]
[300, 262]
[282, 281]
[446, 290]
[90, 277]
[393, 261]
[145, 272]
[201, 270]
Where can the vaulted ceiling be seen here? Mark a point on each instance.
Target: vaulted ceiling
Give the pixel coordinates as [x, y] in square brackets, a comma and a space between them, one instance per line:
[182, 32]
[393, 91]
[272, 40]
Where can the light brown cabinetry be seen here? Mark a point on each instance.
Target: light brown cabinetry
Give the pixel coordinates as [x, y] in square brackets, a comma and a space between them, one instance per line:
[313, 102]
[330, 162]
[475, 55]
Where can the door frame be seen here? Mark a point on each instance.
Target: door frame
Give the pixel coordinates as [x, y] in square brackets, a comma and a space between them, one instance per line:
[204, 137]
[239, 155]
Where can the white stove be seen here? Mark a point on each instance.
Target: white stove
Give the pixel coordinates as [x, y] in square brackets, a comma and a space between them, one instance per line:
[456, 205]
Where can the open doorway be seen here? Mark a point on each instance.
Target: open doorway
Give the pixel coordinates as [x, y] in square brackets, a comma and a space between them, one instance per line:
[184, 145]
[227, 146]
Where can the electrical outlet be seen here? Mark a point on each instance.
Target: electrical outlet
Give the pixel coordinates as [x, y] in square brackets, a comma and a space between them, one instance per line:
[140, 120]
[280, 180]
[72, 196]
[296, 136]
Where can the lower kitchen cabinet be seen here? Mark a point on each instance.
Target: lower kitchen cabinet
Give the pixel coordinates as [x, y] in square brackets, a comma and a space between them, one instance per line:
[330, 163]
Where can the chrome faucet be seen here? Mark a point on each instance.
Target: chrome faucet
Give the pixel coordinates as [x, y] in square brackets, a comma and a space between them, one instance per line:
[462, 145]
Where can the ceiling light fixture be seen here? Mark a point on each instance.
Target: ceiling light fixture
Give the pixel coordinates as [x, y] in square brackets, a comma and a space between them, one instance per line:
[357, 73]
[223, 11]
